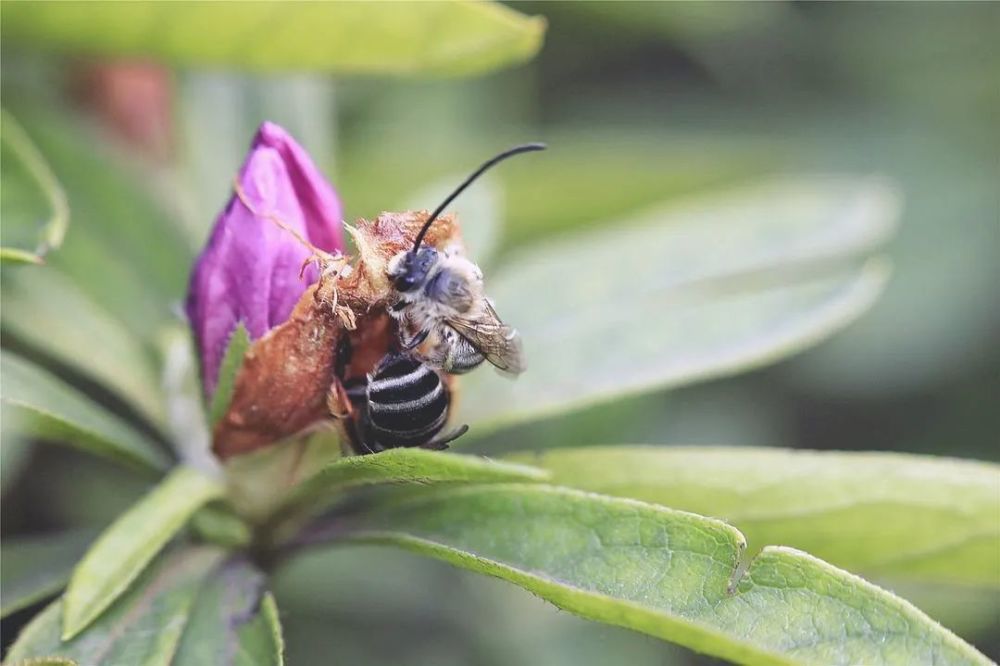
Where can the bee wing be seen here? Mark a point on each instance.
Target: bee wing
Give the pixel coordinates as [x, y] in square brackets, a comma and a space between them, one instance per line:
[498, 342]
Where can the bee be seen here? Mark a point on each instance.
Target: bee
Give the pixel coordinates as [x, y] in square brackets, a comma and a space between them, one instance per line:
[402, 402]
[395, 392]
[441, 303]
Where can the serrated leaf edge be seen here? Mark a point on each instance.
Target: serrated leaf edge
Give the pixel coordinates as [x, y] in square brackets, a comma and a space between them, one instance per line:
[690, 628]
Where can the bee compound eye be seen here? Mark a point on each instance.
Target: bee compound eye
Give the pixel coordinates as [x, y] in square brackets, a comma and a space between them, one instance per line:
[404, 282]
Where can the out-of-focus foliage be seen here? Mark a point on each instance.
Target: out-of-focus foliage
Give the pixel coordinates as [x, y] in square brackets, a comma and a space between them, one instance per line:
[230, 621]
[127, 546]
[719, 284]
[448, 38]
[34, 207]
[144, 627]
[122, 252]
[35, 568]
[37, 404]
[36, 307]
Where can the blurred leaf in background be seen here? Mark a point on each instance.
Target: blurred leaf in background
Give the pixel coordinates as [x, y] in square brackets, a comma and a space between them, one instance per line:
[449, 38]
[34, 207]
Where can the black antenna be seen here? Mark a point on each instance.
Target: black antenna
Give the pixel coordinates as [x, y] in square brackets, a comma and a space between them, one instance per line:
[516, 150]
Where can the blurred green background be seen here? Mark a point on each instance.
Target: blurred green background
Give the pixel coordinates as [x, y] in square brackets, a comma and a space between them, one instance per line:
[639, 102]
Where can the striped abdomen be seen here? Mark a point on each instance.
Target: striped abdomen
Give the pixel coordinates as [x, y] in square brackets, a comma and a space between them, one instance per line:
[407, 403]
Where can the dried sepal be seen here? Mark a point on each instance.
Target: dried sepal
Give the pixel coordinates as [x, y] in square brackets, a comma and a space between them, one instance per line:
[285, 375]
[379, 240]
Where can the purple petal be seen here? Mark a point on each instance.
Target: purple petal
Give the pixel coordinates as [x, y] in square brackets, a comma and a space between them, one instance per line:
[249, 270]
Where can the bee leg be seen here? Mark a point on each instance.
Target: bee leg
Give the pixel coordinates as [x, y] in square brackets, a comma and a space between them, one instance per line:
[361, 438]
[415, 341]
[366, 441]
[310, 260]
[341, 397]
[442, 443]
[338, 401]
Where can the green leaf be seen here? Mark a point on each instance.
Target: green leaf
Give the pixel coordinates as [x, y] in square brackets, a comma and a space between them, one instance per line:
[124, 252]
[218, 524]
[231, 624]
[39, 405]
[232, 361]
[33, 205]
[408, 465]
[687, 24]
[670, 574]
[884, 514]
[606, 174]
[144, 627]
[37, 567]
[442, 38]
[127, 546]
[614, 174]
[36, 310]
[12, 255]
[15, 449]
[699, 290]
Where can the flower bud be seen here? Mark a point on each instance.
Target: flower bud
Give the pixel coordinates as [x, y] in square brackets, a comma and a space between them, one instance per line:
[249, 271]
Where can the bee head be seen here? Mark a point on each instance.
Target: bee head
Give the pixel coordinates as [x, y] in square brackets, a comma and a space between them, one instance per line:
[408, 270]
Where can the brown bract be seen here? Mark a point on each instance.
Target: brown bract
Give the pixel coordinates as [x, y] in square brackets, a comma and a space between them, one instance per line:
[283, 385]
